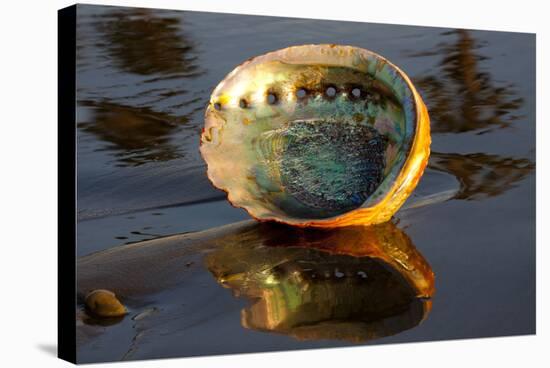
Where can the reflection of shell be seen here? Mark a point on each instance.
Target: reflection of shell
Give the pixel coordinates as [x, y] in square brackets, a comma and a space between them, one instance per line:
[317, 135]
[354, 283]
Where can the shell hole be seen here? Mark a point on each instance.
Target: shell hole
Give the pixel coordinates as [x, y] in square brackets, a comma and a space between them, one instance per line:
[272, 98]
[301, 93]
[218, 106]
[330, 91]
[243, 104]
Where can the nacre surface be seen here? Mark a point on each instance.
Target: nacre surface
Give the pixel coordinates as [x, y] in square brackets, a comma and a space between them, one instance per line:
[316, 135]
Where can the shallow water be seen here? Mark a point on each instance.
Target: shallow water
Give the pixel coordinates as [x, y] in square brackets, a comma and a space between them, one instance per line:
[144, 78]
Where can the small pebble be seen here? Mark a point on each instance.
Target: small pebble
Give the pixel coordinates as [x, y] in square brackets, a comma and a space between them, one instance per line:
[104, 303]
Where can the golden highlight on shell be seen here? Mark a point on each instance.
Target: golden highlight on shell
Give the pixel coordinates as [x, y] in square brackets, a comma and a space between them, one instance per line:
[317, 135]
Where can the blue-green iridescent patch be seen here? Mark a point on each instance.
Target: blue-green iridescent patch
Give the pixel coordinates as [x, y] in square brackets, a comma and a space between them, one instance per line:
[328, 167]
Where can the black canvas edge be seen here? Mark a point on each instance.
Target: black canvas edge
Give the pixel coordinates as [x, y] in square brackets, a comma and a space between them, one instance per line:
[66, 187]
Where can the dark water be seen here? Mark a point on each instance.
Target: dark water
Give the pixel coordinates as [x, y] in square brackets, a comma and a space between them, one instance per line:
[144, 78]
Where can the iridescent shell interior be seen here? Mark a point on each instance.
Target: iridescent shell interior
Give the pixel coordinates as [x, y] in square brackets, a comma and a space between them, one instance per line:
[309, 133]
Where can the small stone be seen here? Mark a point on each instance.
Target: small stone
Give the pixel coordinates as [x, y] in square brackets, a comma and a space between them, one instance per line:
[104, 303]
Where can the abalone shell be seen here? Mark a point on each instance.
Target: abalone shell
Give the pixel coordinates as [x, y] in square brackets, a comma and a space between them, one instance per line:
[316, 135]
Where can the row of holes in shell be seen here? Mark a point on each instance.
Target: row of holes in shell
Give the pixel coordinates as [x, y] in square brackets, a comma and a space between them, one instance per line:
[330, 92]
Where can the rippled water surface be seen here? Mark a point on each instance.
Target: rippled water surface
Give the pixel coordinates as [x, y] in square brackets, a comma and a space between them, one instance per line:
[144, 77]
